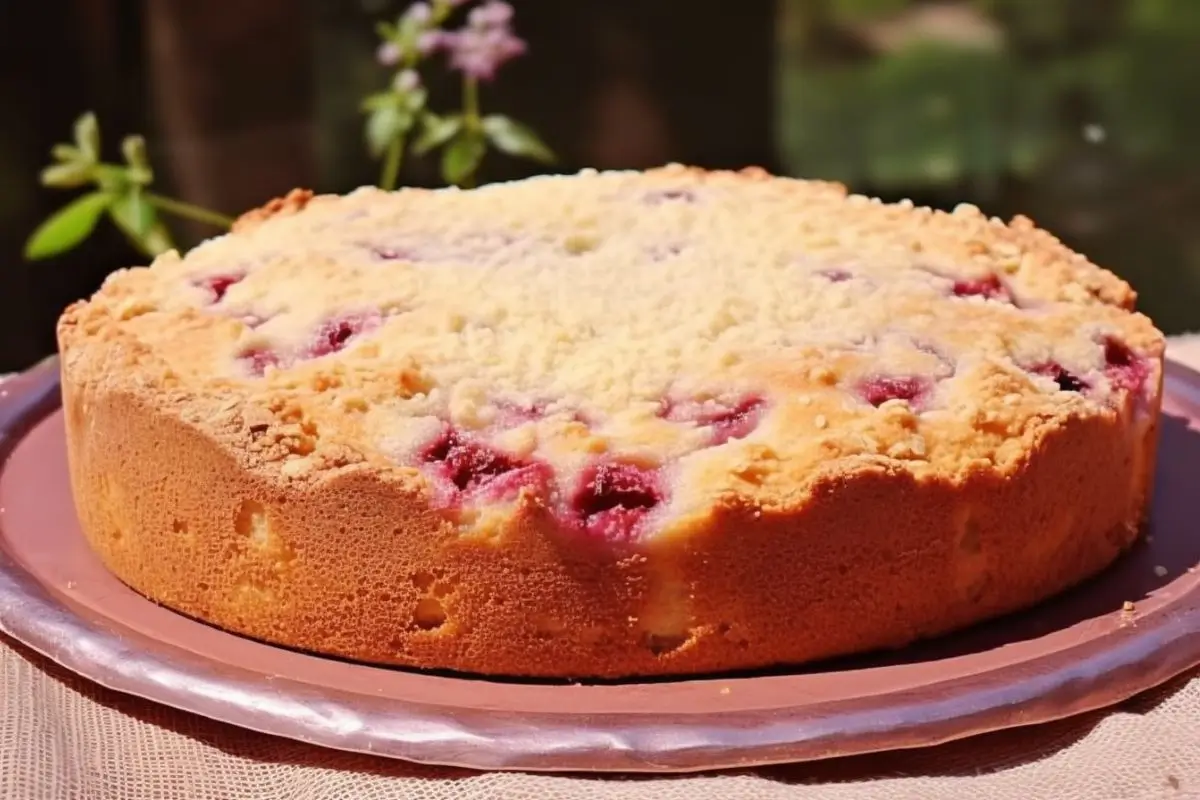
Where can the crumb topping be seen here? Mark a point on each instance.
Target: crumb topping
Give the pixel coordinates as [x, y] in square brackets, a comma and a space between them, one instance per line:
[629, 349]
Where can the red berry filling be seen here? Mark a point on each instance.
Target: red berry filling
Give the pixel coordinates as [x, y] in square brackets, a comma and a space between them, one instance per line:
[475, 467]
[389, 253]
[507, 486]
[835, 275]
[671, 195]
[661, 252]
[1124, 368]
[726, 422]
[612, 499]
[218, 285]
[333, 335]
[989, 287]
[256, 360]
[467, 463]
[330, 337]
[1067, 381]
[510, 415]
[513, 413]
[878, 389]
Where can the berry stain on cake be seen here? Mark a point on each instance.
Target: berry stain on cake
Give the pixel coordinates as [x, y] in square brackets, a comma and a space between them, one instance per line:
[476, 468]
[613, 500]
[636, 423]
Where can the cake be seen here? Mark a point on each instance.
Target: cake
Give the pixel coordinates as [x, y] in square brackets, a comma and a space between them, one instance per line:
[609, 425]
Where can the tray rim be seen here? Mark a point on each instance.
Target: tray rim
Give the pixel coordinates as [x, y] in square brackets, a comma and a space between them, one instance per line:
[549, 742]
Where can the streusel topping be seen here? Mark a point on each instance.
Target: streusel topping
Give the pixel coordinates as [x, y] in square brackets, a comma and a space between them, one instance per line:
[630, 349]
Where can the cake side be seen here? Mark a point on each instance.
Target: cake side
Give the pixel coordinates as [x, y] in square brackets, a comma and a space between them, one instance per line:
[355, 565]
[865, 473]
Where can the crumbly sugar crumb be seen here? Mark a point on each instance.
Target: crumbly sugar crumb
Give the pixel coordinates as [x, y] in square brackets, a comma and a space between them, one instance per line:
[629, 347]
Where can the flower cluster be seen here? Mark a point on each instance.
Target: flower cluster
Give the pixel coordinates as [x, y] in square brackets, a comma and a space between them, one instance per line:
[398, 119]
[485, 43]
[477, 50]
[120, 192]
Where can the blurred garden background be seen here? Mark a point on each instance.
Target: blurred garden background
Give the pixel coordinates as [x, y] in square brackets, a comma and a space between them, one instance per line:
[1084, 114]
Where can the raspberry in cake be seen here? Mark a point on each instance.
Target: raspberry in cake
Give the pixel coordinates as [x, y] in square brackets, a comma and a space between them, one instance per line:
[611, 424]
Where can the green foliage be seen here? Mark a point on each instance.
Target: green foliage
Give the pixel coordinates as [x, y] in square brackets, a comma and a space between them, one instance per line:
[937, 112]
[398, 120]
[386, 124]
[462, 156]
[137, 218]
[68, 226]
[121, 193]
[510, 136]
[436, 131]
[87, 138]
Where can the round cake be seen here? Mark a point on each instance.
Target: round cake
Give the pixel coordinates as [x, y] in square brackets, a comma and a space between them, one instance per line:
[609, 425]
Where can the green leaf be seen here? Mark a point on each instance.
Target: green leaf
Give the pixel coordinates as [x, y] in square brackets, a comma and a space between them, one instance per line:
[111, 178]
[158, 240]
[385, 125]
[140, 176]
[462, 157]
[87, 136]
[138, 220]
[386, 30]
[134, 150]
[380, 100]
[133, 213]
[512, 137]
[65, 152]
[66, 176]
[69, 226]
[436, 131]
[414, 101]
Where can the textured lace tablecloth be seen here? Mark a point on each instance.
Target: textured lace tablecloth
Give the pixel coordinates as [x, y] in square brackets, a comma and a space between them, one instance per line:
[61, 737]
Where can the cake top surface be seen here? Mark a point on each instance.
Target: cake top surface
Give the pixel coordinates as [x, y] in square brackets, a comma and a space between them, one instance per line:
[641, 346]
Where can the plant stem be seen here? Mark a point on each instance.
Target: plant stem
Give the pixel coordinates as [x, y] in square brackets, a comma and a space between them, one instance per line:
[471, 119]
[189, 211]
[391, 164]
[471, 101]
[139, 244]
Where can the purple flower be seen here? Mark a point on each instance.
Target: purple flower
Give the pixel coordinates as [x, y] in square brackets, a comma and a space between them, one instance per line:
[388, 54]
[430, 42]
[486, 43]
[418, 14]
[406, 80]
[491, 14]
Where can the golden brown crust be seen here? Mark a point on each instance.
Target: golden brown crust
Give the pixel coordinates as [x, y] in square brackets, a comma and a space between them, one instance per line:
[354, 567]
[291, 203]
[191, 492]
